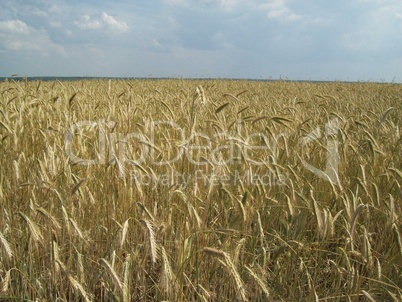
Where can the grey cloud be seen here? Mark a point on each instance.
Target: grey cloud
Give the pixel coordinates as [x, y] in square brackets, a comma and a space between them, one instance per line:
[248, 38]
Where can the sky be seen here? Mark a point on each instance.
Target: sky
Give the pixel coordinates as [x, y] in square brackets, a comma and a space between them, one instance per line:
[346, 40]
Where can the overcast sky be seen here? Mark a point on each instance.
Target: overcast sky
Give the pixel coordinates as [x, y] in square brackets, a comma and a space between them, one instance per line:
[351, 40]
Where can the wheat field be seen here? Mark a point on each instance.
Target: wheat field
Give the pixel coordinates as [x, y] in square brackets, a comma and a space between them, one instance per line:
[200, 190]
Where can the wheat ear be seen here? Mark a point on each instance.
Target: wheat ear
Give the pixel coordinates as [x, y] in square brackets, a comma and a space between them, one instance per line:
[152, 240]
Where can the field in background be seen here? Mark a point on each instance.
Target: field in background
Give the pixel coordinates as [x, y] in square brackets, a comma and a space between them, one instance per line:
[183, 190]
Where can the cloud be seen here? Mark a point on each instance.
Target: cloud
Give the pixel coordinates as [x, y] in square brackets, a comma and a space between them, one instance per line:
[113, 23]
[231, 38]
[14, 27]
[102, 21]
[376, 32]
[278, 9]
[87, 23]
[17, 35]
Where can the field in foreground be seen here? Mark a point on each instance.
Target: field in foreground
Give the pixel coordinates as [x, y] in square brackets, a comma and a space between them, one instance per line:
[182, 190]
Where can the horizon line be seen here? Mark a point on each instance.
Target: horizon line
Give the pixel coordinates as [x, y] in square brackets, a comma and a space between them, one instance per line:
[270, 79]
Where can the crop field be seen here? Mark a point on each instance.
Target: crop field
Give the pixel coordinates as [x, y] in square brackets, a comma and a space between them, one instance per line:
[200, 190]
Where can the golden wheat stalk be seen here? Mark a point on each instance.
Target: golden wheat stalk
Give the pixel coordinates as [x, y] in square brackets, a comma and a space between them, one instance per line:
[126, 279]
[144, 208]
[259, 281]
[384, 116]
[6, 282]
[239, 246]
[6, 246]
[227, 261]
[33, 228]
[190, 208]
[16, 168]
[124, 233]
[50, 217]
[55, 258]
[238, 281]
[204, 295]
[74, 283]
[214, 252]
[66, 219]
[76, 228]
[379, 269]
[80, 268]
[397, 237]
[261, 230]
[113, 274]
[152, 239]
[242, 209]
[319, 217]
[367, 249]
[359, 208]
[169, 277]
[368, 296]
